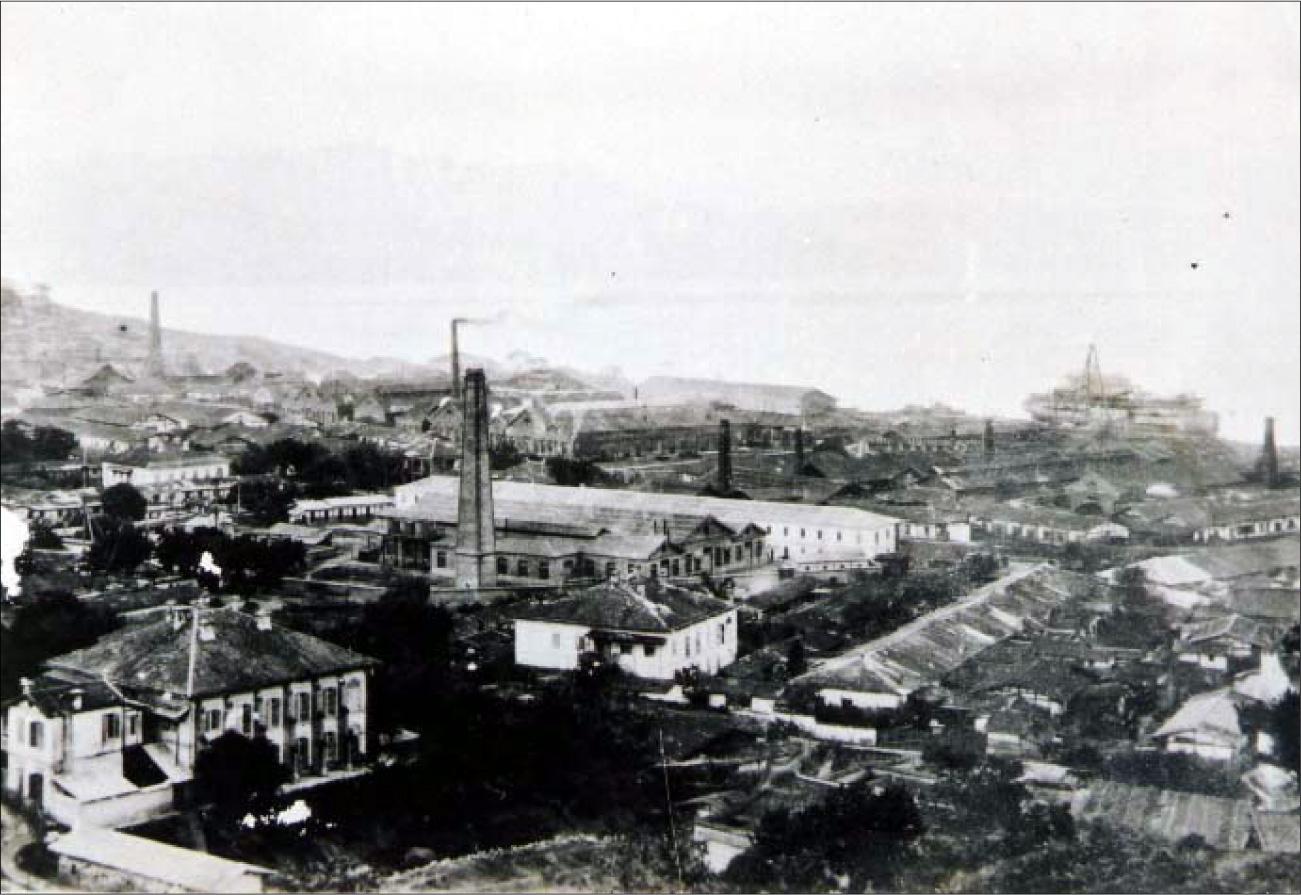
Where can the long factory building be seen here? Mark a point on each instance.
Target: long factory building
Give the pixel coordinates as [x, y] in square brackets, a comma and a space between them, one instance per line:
[552, 532]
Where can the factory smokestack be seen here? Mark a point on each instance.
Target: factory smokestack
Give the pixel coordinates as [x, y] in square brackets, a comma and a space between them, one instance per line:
[476, 544]
[1269, 455]
[724, 458]
[154, 363]
[456, 364]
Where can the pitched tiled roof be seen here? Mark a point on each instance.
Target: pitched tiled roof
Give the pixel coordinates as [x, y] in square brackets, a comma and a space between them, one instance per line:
[628, 607]
[238, 656]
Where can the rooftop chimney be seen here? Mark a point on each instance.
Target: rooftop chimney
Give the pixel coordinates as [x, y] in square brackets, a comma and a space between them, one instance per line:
[476, 544]
[1269, 455]
[724, 457]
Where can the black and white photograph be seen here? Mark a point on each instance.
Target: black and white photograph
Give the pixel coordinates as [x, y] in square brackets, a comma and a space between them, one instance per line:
[650, 447]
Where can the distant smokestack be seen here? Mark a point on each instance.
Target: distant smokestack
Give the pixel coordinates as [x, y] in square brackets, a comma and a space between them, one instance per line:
[724, 457]
[476, 543]
[799, 451]
[989, 437]
[154, 364]
[456, 363]
[1269, 455]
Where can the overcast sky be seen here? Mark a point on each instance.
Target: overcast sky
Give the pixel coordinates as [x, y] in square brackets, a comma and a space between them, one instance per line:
[896, 203]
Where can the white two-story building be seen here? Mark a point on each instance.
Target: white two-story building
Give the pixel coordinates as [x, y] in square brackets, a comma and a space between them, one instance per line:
[649, 630]
[109, 735]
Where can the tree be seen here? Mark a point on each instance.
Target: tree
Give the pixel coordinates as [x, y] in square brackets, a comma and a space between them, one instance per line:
[236, 775]
[855, 838]
[53, 624]
[266, 500]
[796, 661]
[53, 443]
[1284, 724]
[118, 546]
[122, 502]
[504, 455]
[15, 444]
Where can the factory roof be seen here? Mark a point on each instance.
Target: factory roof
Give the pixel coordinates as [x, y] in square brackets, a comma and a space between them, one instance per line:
[520, 499]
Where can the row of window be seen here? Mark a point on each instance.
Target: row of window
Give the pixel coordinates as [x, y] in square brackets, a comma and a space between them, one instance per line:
[268, 711]
[110, 729]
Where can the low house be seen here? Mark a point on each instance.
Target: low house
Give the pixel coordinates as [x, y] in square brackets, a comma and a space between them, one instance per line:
[1093, 494]
[158, 469]
[1218, 643]
[355, 507]
[110, 734]
[1045, 525]
[98, 860]
[1263, 517]
[1207, 725]
[649, 630]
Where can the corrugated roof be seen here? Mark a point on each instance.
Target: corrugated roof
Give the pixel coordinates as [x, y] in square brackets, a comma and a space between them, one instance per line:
[923, 651]
[1169, 815]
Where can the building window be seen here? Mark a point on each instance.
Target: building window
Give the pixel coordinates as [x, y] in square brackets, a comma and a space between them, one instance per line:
[303, 752]
[610, 569]
[503, 566]
[331, 700]
[36, 734]
[112, 726]
[274, 709]
[819, 534]
[837, 536]
[331, 746]
[522, 568]
[304, 706]
[544, 569]
[214, 720]
[441, 559]
[246, 719]
[722, 635]
[649, 650]
[133, 724]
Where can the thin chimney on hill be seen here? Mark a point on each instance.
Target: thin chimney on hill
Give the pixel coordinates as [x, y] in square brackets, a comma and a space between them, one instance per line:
[724, 457]
[1269, 455]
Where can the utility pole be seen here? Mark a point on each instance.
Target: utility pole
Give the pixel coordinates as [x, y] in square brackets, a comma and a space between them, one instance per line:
[668, 804]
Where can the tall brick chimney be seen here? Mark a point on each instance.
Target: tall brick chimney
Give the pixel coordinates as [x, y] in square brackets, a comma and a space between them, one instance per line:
[476, 542]
[724, 457]
[1269, 455]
